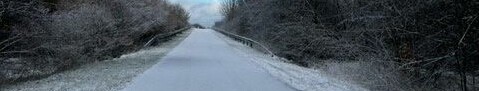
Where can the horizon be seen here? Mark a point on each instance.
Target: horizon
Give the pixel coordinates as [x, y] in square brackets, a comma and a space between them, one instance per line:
[203, 12]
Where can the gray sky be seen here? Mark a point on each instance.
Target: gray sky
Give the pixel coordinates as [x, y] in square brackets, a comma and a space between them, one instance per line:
[204, 12]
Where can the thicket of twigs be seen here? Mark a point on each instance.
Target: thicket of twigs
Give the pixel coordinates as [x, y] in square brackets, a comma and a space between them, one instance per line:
[412, 44]
[40, 37]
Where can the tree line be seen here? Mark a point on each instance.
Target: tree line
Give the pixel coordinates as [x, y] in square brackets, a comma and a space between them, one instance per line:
[427, 44]
[41, 37]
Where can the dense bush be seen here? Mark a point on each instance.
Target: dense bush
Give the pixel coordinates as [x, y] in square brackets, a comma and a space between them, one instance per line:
[431, 43]
[40, 37]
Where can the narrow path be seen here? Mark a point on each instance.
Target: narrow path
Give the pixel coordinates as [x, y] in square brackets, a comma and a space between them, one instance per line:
[204, 62]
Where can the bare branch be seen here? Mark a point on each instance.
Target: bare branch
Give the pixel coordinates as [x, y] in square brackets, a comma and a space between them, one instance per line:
[461, 41]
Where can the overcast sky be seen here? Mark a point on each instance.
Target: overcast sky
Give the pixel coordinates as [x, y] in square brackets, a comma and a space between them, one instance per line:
[204, 12]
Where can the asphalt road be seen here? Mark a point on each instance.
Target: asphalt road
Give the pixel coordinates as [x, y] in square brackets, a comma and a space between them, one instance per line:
[204, 62]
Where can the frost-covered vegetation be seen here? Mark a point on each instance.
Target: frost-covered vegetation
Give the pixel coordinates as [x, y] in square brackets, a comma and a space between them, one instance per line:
[381, 44]
[41, 37]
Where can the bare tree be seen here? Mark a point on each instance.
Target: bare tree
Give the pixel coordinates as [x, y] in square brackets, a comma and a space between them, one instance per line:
[47, 36]
[410, 37]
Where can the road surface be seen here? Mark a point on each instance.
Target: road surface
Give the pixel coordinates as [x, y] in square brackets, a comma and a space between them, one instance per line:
[204, 62]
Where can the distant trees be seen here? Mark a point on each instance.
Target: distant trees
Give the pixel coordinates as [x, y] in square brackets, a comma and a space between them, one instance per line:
[40, 37]
[425, 40]
[198, 26]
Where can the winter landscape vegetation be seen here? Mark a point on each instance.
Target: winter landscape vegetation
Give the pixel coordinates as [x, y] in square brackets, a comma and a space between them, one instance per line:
[239, 45]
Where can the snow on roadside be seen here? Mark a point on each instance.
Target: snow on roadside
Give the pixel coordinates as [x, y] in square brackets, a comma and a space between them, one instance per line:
[108, 75]
[301, 78]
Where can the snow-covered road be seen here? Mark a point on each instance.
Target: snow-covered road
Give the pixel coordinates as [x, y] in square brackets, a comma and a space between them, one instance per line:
[204, 62]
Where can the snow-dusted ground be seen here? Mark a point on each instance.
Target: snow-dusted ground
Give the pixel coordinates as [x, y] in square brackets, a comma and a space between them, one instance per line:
[301, 78]
[204, 62]
[110, 75]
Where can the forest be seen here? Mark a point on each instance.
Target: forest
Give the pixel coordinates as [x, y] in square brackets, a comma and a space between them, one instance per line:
[42, 37]
[385, 45]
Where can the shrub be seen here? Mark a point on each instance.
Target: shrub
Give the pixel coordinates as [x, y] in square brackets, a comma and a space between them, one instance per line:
[423, 39]
[43, 39]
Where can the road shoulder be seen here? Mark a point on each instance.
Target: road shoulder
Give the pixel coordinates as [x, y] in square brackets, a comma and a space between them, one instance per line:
[108, 75]
[301, 78]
